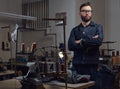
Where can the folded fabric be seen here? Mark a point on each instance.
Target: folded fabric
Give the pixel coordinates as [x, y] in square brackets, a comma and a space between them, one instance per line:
[73, 77]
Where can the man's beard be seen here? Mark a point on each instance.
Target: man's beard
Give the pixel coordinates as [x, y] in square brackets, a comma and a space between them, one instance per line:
[84, 19]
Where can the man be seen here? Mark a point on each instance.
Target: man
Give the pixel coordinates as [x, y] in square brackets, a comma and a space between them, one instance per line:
[85, 40]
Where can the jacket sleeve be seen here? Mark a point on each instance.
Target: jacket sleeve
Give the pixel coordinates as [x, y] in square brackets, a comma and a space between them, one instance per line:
[90, 41]
[72, 46]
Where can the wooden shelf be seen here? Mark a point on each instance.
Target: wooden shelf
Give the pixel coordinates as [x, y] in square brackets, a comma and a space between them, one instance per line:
[24, 53]
[108, 49]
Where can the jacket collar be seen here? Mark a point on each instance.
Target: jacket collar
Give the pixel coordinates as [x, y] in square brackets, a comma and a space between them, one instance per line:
[91, 24]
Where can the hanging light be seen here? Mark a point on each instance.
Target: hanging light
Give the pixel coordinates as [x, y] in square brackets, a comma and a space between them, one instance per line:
[61, 55]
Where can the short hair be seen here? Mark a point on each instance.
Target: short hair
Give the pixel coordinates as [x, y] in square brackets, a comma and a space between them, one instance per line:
[85, 4]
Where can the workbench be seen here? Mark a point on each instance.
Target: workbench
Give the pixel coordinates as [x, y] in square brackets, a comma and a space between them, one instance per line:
[60, 85]
[15, 84]
[6, 74]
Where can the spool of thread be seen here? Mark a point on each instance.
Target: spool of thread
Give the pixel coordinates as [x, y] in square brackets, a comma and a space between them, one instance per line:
[22, 47]
[52, 53]
[102, 53]
[62, 67]
[113, 53]
[117, 57]
[114, 58]
[33, 47]
[117, 53]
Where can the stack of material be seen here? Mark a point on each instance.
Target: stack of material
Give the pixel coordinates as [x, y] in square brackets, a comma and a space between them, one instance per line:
[10, 84]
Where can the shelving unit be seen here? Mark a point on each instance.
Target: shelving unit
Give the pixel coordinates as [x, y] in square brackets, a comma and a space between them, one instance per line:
[56, 73]
[106, 53]
[19, 52]
[108, 49]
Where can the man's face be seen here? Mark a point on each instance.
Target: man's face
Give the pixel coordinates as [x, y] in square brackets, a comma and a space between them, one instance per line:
[86, 13]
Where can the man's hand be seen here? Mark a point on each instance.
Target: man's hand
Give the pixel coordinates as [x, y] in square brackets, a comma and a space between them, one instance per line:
[78, 41]
[96, 36]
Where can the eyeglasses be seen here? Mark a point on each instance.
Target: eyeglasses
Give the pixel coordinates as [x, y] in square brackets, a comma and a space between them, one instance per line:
[86, 11]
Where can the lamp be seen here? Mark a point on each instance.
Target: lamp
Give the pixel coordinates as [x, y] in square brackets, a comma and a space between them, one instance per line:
[61, 55]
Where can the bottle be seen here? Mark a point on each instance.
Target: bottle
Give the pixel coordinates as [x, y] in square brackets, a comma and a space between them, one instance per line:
[117, 57]
[3, 45]
[114, 61]
[33, 47]
[22, 47]
[117, 53]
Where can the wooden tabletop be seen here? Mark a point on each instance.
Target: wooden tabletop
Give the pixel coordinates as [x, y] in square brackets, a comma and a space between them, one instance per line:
[15, 84]
[71, 86]
[8, 72]
[10, 84]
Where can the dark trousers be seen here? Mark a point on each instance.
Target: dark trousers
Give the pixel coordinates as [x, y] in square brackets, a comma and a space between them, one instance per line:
[107, 81]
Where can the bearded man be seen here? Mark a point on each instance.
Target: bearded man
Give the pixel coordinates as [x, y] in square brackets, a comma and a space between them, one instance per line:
[85, 40]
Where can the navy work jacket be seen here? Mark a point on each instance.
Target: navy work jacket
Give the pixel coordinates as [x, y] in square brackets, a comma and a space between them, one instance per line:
[87, 51]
